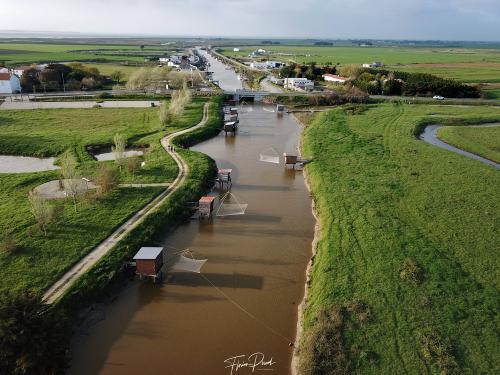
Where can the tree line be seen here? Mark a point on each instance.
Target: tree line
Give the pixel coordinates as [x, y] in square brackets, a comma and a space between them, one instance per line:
[72, 76]
[386, 82]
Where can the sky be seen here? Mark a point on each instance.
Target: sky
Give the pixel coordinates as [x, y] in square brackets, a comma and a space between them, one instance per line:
[331, 19]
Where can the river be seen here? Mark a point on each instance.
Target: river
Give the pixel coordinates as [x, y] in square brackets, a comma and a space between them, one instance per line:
[246, 299]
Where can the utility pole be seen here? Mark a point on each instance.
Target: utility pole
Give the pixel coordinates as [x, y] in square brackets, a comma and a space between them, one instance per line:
[64, 85]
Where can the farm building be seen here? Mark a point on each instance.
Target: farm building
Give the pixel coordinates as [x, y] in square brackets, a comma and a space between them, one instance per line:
[149, 261]
[334, 78]
[19, 71]
[299, 84]
[9, 84]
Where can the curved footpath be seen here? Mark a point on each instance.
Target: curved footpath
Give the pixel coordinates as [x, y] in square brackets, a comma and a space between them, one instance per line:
[65, 282]
[429, 135]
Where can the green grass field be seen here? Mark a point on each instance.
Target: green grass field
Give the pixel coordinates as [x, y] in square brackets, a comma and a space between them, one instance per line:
[49, 132]
[40, 260]
[407, 263]
[107, 69]
[467, 65]
[480, 141]
[24, 53]
[492, 93]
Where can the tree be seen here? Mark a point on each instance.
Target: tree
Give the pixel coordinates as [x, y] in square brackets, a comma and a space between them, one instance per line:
[133, 165]
[42, 211]
[71, 179]
[107, 178]
[119, 149]
[33, 339]
[117, 76]
[29, 80]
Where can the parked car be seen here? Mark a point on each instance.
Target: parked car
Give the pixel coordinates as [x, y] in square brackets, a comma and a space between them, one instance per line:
[438, 97]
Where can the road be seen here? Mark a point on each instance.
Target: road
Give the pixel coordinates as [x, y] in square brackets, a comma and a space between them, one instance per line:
[68, 279]
[266, 85]
[78, 104]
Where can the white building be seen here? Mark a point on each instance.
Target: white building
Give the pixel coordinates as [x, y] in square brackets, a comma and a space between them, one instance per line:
[299, 84]
[335, 78]
[3, 70]
[274, 64]
[164, 59]
[258, 65]
[236, 50]
[376, 64]
[9, 84]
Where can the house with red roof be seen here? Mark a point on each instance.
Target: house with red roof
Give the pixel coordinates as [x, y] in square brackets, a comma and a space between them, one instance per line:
[9, 84]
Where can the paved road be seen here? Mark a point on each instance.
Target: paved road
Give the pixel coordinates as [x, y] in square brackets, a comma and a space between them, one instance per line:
[78, 104]
[67, 280]
[266, 85]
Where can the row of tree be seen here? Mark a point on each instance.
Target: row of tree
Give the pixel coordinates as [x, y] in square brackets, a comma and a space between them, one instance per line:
[148, 79]
[72, 76]
[310, 71]
[385, 82]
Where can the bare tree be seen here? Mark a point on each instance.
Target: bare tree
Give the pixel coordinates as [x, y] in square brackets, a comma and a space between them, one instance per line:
[71, 180]
[107, 178]
[42, 211]
[119, 149]
[133, 165]
[117, 76]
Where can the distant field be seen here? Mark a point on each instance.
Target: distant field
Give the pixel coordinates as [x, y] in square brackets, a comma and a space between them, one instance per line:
[492, 93]
[107, 69]
[480, 141]
[16, 53]
[467, 65]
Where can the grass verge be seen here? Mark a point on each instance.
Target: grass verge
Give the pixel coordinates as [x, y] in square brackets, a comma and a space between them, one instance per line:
[408, 232]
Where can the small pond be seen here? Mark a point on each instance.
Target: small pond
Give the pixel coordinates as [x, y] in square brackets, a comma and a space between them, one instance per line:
[25, 164]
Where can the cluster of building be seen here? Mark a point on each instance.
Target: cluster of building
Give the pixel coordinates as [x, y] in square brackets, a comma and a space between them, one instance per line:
[10, 79]
[267, 65]
[181, 62]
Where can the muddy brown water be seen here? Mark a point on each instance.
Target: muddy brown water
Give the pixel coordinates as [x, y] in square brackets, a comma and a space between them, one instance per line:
[256, 262]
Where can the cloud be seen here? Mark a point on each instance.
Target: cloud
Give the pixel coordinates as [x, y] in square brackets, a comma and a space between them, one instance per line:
[395, 19]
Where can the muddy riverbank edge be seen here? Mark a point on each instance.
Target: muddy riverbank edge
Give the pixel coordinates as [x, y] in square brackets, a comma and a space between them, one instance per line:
[317, 235]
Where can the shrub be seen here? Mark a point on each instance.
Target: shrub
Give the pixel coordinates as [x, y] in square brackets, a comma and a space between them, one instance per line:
[322, 348]
[410, 271]
[438, 351]
[8, 245]
[106, 179]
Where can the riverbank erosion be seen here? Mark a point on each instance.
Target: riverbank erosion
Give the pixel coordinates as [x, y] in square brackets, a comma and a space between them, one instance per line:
[406, 270]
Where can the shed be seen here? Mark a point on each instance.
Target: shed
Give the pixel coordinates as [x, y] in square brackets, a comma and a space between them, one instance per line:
[290, 159]
[206, 206]
[149, 261]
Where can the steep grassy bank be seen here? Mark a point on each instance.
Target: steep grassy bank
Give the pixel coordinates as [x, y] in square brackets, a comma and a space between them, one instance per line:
[406, 275]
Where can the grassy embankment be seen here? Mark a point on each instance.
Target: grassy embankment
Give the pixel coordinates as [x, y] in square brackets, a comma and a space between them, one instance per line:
[466, 65]
[481, 141]
[406, 275]
[39, 261]
[202, 169]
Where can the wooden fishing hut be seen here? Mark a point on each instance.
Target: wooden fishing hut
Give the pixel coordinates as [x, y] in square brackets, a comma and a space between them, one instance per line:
[148, 263]
[295, 161]
[230, 127]
[206, 206]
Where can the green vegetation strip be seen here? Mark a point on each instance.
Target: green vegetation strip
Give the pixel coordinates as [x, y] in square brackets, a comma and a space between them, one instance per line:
[406, 275]
[480, 141]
